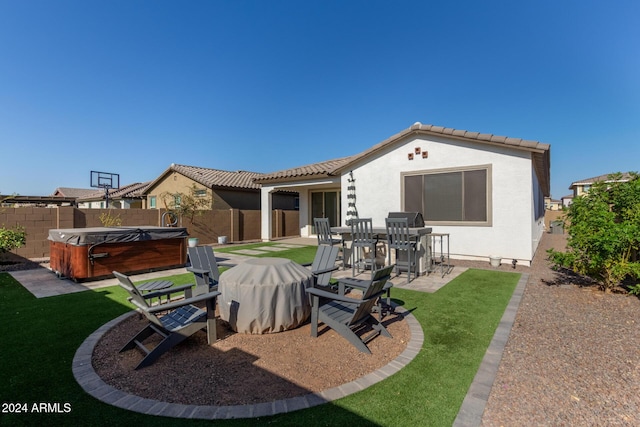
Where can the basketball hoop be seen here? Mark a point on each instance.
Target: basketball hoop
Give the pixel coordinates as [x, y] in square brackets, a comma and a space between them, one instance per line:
[105, 180]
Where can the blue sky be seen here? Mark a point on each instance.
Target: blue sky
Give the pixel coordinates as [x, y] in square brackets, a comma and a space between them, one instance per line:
[130, 87]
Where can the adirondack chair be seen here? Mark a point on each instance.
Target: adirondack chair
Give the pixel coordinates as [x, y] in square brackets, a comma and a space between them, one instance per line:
[205, 269]
[174, 321]
[383, 305]
[323, 265]
[345, 315]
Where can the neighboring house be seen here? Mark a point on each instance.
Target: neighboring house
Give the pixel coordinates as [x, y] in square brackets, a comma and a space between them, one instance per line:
[567, 200]
[486, 191]
[126, 197]
[581, 187]
[226, 189]
[552, 204]
[72, 192]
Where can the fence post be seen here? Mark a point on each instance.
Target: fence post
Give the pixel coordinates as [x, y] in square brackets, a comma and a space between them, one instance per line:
[234, 224]
[65, 217]
[277, 223]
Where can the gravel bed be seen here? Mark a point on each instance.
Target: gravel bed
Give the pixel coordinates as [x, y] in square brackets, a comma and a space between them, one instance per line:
[573, 355]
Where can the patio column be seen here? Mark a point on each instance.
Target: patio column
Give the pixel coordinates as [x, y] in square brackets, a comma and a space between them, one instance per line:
[266, 203]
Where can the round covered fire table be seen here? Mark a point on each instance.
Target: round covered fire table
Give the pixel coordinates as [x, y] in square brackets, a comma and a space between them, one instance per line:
[264, 295]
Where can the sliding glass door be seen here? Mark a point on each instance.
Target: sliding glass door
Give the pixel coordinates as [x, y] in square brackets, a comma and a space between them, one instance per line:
[326, 204]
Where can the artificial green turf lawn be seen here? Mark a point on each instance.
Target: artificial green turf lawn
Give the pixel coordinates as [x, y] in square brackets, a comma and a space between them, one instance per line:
[301, 255]
[40, 337]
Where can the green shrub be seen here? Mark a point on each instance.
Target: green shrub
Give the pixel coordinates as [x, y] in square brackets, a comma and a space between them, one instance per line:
[604, 232]
[12, 238]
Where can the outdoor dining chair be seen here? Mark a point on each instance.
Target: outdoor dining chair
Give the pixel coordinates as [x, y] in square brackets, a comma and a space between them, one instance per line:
[399, 240]
[364, 243]
[325, 237]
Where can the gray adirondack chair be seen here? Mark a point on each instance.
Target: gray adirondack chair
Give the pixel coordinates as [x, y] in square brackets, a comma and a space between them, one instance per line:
[323, 265]
[383, 305]
[174, 321]
[345, 315]
[204, 268]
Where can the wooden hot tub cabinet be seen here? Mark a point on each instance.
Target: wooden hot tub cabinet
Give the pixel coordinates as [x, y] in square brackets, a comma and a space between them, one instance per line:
[89, 253]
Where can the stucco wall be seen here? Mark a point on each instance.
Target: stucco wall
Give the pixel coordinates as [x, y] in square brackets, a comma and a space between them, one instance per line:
[174, 182]
[378, 192]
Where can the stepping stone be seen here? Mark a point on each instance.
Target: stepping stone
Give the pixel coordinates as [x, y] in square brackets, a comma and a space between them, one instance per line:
[272, 248]
[289, 246]
[249, 252]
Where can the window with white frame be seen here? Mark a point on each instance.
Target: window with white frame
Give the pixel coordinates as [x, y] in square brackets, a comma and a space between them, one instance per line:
[460, 196]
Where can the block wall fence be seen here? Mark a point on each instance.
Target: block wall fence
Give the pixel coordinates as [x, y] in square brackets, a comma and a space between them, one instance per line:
[236, 224]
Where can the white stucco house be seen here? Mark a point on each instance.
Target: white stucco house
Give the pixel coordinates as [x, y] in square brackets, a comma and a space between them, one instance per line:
[486, 191]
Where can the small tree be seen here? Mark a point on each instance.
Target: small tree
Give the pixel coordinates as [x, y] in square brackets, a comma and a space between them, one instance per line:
[187, 205]
[604, 232]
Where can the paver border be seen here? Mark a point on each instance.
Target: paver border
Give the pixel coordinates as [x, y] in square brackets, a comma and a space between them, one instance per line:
[91, 383]
[474, 403]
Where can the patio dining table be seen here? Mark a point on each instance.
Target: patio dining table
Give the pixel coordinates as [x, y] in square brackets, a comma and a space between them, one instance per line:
[423, 249]
[265, 295]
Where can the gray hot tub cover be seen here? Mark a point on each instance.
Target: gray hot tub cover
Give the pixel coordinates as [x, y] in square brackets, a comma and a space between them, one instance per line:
[95, 235]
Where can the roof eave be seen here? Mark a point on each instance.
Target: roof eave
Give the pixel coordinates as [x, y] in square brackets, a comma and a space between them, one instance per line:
[438, 131]
[285, 179]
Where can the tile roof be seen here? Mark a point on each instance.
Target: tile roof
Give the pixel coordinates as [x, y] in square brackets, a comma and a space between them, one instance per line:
[626, 176]
[541, 155]
[73, 192]
[313, 170]
[211, 178]
[130, 191]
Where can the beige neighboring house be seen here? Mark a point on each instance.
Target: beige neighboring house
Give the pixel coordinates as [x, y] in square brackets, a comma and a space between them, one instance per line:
[226, 189]
[126, 197]
[552, 204]
[582, 187]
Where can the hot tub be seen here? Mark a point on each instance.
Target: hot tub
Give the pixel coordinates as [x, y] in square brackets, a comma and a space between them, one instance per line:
[88, 253]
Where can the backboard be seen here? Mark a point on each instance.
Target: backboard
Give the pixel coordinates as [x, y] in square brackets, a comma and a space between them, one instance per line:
[105, 180]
